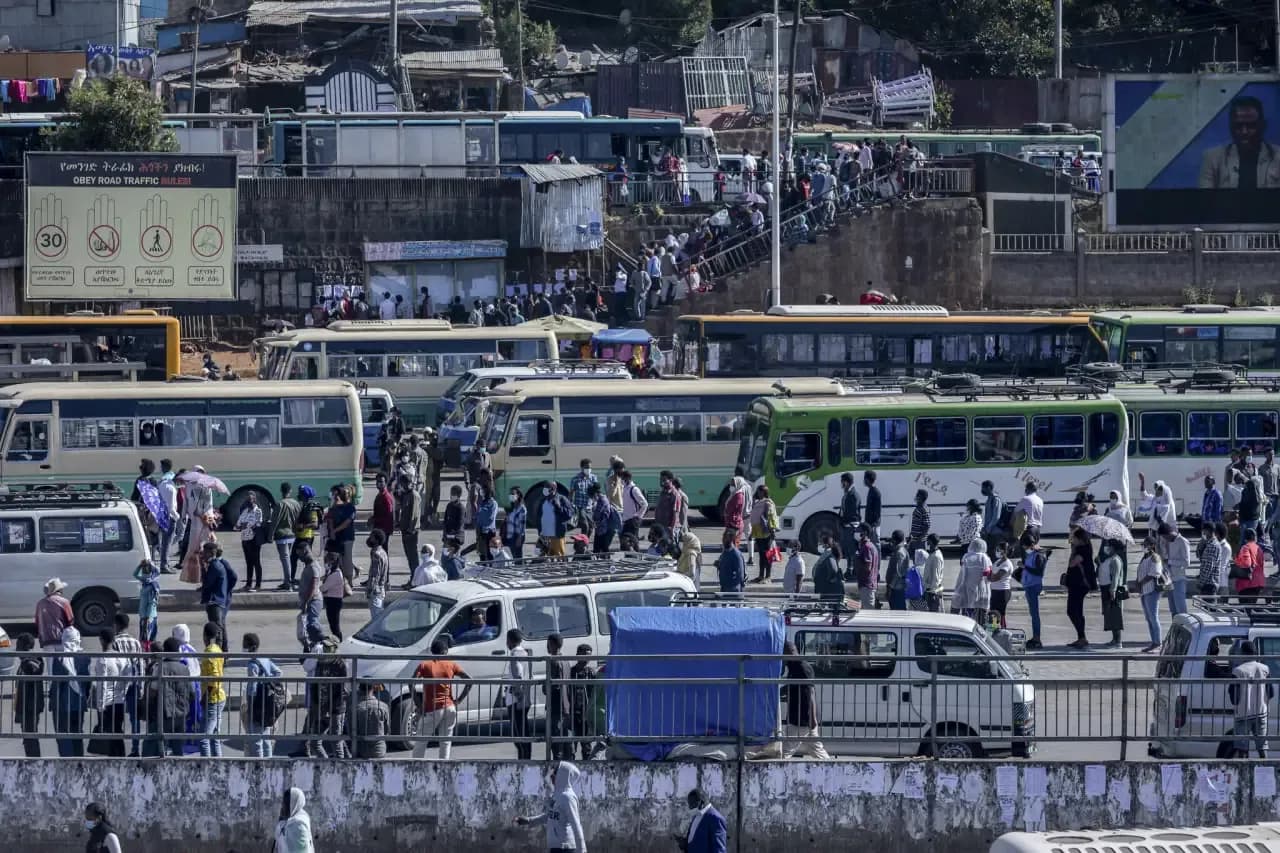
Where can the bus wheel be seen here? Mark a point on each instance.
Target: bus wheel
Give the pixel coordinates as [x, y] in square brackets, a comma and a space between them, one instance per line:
[94, 610]
[239, 499]
[711, 514]
[818, 526]
[404, 721]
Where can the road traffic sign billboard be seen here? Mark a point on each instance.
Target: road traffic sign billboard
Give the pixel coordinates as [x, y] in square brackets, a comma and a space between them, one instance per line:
[130, 226]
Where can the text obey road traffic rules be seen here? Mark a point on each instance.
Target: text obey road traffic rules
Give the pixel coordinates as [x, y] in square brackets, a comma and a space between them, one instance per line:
[130, 226]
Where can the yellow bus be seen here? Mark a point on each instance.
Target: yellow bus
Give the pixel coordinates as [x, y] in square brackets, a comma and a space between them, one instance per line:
[136, 345]
[878, 340]
[416, 360]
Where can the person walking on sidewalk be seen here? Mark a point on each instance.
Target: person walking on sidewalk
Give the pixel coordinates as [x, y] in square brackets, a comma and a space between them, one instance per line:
[561, 818]
[287, 511]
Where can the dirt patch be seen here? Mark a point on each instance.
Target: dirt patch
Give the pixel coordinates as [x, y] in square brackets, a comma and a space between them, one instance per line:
[240, 359]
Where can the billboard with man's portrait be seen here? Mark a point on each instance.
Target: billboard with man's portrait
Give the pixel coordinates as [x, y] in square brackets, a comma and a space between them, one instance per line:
[1187, 150]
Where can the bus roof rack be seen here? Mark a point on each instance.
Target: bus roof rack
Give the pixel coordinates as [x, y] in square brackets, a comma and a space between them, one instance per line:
[573, 569]
[972, 387]
[792, 605]
[1221, 605]
[576, 366]
[857, 310]
[390, 325]
[59, 494]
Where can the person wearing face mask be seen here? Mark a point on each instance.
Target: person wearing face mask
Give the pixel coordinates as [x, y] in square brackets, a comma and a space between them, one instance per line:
[580, 488]
[1159, 504]
[486, 522]
[513, 526]
[1111, 578]
[553, 519]
[828, 580]
[102, 835]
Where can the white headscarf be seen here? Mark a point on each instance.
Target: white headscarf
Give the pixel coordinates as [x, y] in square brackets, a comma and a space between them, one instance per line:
[1163, 509]
[182, 634]
[71, 647]
[293, 834]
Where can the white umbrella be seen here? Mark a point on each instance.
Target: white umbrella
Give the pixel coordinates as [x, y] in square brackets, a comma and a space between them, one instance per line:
[1105, 528]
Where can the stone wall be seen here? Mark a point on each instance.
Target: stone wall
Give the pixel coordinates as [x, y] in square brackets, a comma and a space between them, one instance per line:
[198, 806]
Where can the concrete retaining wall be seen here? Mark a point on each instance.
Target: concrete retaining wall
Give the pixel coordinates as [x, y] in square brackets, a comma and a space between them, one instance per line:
[195, 806]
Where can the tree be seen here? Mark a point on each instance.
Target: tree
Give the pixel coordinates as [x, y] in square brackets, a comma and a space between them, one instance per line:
[116, 113]
[539, 40]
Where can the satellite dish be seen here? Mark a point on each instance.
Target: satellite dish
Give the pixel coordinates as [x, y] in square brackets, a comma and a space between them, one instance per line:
[630, 55]
[5, 42]
[586, 59]
[624, 17]
[562, 60]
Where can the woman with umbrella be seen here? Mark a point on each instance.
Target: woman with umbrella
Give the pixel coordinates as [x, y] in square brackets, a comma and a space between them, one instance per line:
[202, 520]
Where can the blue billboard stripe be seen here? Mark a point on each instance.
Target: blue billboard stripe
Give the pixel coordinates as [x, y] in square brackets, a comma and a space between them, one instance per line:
[1130, 96]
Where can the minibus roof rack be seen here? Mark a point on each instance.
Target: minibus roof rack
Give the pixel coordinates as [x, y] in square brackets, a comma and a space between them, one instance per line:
[1222, 605]
[791, 605]
[59, 494]
[572, 569]
[972, 387]
[577, 366]
[1200, 374]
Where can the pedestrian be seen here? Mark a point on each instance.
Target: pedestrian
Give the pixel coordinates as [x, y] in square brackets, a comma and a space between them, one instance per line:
[190, 658]
[1080, 507]
[429, 570]
[793, 574]
[515, 523]
[933, 574]
[102, 835]
[1250, 692]
[439, 705]
[334, 588]
[28, 696]
[1175, 554]
[371, 724]
[763, 522]
[802, 706]
[584, 701]
[559, 706]
[992, 512]
[215, 589]
[1250, 508]
[383, 516]
[1029, 516]
[1001, 582]
[580, 487]
[69, 694]
[828, 582]
[342, 528]
[408, 516]
[1211, 503]
[866, 565]
[972, 595]
[1151, 579]
[167, 488]
[634, 507]
[667, 511]
[1247, 570]
[287, 511]
[516, 693]
[920, 519]
[613, 482]
[379, 572]
[895, 576]
[108, 685]
[170, 702]
[606, 520]
[309, 598]
[1158, 503]
[486, 522]
[873, 507]
[554, 515]
[304, 529]
[560, 817]
[249, 526]
[197, 507]
[1080, 578]
[293, 829]
[708, 831]
[213, 689]
[971, 524]
[1212, 578]
[730, 566]
[259, 715]
[850, 514]
[451, 562]
[148, 577]
[1269, 472]
[1034, 561]
[53, 614]
[331, 698]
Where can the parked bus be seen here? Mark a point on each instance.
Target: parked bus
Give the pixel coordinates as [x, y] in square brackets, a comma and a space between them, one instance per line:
[250, 435]
[1197, 334]
[541, 430]
[950, 143]
[88, 346]
[946, 445]
[1226, 838]
[877, 340]
[416, 360]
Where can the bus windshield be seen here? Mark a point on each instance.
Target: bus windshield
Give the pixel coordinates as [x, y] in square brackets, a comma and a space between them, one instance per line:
[274, 363]
[460, 386]
[1104, 343]
[495, 425]
[751, 452]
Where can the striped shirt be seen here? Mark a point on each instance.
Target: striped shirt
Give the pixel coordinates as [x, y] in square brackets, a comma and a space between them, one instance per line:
[920, 522]
[1212, 562]
[128, 647]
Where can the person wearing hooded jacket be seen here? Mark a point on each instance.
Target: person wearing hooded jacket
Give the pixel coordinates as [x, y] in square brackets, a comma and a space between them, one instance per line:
[561, 818]
[1163, 508]
[293, 829]
[69, 694]
[972, 595]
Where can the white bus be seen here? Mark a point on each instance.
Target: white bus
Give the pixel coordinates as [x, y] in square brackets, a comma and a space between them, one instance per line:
[250, 435]
[416, 360]
[1253, 838]
[541, 430]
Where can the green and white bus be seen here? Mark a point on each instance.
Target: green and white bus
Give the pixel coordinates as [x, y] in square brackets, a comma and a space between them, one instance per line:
[416, 360]
[946, 445]
[250, 435]
[542, 429]
[1195, 335]
[1182, 437]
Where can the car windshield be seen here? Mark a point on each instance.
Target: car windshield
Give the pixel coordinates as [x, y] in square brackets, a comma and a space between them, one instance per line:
[405, 621]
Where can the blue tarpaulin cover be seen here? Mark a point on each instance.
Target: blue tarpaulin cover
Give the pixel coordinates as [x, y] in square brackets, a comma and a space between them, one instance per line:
[616, 337]
[679, 708]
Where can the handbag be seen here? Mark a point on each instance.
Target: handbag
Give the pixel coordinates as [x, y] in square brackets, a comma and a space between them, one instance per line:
[914, 585]
[1239, 572]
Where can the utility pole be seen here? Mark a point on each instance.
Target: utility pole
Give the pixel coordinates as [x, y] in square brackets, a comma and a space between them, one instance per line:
[791, 89]
[1276, 38]
[197, 16]
[520, 46]
[119, 23]
[1057, 39]
[775, 202]
[394, 48]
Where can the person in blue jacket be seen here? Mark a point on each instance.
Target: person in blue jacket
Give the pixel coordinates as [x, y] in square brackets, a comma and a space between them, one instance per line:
[215, 591]
[707, 831]
[732, 568]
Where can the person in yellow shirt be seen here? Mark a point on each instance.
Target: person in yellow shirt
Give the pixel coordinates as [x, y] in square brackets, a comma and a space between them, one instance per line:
[214, 690]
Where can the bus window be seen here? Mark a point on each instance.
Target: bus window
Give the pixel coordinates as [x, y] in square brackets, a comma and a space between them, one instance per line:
[30, 441]
[941, 441]
[1133, 433]
[456, 365]
[495, 426]
[797, 452]
[1000, 438]
[304, 367]
[796, 349]
[406, 366]
[171, 432]
[862, 349]
[722, 427]
[1208, 433]
[532, 436]
[523, 350]
[351, 366]
[1191, 344]
[1256, 430]
[1104, 433]
[1057, 438]
[1160, 433]
[881, 441]
[1250, 346]
[831, 349]
[833, 442]
[596, 429]
[599, 147]
[755, 441]
[663, 429]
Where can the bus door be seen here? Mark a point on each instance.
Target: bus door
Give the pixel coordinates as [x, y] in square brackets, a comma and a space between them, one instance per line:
[26, 454]
[531, 439]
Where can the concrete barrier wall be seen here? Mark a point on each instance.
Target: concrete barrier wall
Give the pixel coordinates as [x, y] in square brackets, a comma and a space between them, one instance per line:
[195, 806]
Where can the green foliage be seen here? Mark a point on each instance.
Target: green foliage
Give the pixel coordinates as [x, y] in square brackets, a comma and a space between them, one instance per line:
[943, 101]
[113, 114]
[539, 40]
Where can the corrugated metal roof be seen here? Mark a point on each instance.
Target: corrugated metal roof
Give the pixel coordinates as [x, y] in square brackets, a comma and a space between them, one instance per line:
[482, 59]
[542, 173]
[283, 13]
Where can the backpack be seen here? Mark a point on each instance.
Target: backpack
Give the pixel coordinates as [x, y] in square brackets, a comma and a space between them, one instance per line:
[273, 702]
[915, 585]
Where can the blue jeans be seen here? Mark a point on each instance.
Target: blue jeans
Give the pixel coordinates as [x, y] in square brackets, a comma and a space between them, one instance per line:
[376, 604]
[1178, 597]
[1151, 610]
[1033, 608]
[312, 610]
[260, 747]
[284, 547]
[166, 540]
[210, 746]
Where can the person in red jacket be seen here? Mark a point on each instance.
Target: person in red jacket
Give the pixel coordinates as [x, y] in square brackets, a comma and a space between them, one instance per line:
[384, 509]
[1249, 560]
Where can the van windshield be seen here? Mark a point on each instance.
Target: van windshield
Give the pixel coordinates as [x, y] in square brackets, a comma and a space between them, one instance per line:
[460, 386]
[405, 621]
